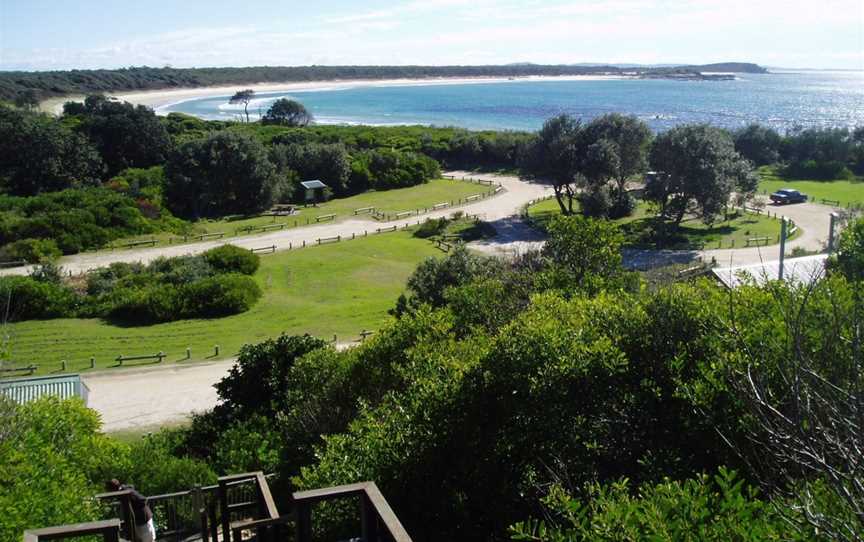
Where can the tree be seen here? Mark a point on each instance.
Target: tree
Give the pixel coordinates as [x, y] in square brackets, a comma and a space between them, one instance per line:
[40, 154]
[226, 173]
[698, 168]
[759, 144]
[849, 256]
[328, 162]
[623, 150]
[243, 97]
[127, 136]
[554, 154]
[587, 250]
[27, 99]
[287, 112]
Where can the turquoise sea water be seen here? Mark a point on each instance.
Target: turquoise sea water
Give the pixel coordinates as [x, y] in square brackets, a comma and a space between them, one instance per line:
[782, 100]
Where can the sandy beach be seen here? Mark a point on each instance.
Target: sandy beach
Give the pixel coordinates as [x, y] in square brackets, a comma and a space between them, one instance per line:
[161, 98]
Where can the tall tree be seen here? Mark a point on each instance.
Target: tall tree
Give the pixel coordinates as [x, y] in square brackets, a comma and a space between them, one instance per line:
[759, 144]
[125, 135]
[243, 97]
[226, 173]
[287, 113]
[40, 154]
[622, 150]
[698, 168]
[554, 155]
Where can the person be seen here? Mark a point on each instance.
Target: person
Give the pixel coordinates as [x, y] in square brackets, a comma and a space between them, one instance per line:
[142, 516]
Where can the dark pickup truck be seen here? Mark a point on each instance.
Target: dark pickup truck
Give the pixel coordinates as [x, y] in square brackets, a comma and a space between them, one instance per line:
[788, 195]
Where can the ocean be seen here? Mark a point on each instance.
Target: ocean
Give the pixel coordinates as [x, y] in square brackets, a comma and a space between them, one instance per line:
[783, 100]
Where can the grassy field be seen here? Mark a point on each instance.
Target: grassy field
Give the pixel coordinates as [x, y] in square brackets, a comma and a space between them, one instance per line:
[722, 234]
[388, 201]
[846, 192]
[339, 289]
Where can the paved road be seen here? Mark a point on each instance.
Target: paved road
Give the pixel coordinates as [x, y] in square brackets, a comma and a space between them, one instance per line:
[515, 194]
[814, 220]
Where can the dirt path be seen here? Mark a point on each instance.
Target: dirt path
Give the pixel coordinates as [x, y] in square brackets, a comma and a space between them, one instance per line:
[139, 398]
[515, 194]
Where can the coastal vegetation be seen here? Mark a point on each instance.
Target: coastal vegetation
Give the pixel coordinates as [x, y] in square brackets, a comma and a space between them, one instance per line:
[339, 289]
[30, 87]
[212, 284]
[584, 405]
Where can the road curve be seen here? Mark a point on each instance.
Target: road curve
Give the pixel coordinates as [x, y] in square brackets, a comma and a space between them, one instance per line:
[516, 193]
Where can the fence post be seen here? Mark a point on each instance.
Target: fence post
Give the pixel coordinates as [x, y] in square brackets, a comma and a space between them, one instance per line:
[92, 363]
[63, 365]
[188, 353]
[216, 350]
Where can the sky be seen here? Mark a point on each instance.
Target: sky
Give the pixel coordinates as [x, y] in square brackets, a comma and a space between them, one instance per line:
[45, 34]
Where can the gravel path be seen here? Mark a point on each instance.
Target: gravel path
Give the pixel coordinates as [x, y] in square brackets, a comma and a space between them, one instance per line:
[515, 194]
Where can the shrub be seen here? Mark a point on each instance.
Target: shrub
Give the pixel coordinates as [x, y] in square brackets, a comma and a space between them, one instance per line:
[431, 227]
[595, 202]
[232, 259]
[26, 298]
[220, 295]
[33, 250]
[717, 508]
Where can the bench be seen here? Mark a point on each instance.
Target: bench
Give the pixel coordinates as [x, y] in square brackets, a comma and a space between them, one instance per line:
[364, 210]
[834, 202]
[30, 369]
[151, 242]
[440, 205]
[269, 249]
[324, 217]
[322, 240]
[16, 263]
[158, 357]
[758, 240]
[473, 197]
[403, 214]
[216, 235]
[381, 230]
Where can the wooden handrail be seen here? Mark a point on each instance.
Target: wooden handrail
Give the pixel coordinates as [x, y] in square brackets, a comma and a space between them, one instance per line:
[109, 529]
[375, 506]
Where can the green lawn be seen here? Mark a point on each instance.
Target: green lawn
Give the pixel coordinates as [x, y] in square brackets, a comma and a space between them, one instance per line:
[389, 201]
[846, 192]
[339, 289]
[638, 228]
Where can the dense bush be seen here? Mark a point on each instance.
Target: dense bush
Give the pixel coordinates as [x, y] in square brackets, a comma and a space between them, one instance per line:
[222, 174]
[40, 154]
[232, 259]
[54, 458]
[718, 508]
[126, 136]
[26, 298]
[78, 220]
[32, 250]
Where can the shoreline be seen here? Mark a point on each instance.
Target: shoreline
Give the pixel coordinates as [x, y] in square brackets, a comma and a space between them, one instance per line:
[159, 99]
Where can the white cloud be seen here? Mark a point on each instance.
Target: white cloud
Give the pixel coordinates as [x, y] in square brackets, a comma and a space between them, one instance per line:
[792, 32]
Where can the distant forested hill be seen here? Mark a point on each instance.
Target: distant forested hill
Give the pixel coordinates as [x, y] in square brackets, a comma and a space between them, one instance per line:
[59, 83]
[730, 67]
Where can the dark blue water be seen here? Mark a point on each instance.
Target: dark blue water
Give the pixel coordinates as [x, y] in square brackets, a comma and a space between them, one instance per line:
[781, 100]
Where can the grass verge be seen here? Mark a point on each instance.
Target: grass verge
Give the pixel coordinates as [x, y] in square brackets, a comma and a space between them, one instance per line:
[639, 228]
[388, 201]
[848, 193]
[340, 289]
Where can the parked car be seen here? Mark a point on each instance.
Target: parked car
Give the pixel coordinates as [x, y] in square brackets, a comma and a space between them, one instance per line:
[788, 195]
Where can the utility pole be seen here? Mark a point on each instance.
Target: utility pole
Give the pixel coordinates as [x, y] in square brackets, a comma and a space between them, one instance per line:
[782, 246]
[834, 218]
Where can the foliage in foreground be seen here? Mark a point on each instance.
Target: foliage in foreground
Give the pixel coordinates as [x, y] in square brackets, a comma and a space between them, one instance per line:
[53, 459]
[716, 508]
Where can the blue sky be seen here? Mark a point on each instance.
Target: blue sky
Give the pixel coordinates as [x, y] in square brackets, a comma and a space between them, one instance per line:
[43, 34]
